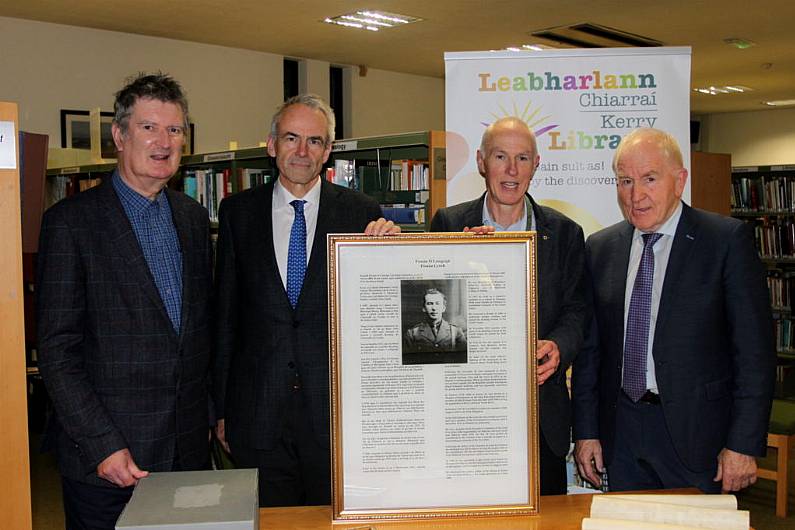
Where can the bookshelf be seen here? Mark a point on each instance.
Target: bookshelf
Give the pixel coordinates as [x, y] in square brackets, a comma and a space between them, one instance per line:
[210, 177]
[15, 500]
[405, 173]
[764, 196]
[65, 181]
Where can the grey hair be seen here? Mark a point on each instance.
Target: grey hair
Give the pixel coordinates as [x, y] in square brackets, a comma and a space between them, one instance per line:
[158, 86]
[313, 101]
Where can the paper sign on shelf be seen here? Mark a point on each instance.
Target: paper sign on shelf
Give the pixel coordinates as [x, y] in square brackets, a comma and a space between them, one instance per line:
[8, 145]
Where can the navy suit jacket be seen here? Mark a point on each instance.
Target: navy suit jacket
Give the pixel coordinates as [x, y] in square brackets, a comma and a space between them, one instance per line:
[265, 348]
[713, 345]
[118, 374]
[561, 301]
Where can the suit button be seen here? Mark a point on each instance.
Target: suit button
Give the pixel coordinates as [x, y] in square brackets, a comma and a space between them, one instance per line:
[291, 365]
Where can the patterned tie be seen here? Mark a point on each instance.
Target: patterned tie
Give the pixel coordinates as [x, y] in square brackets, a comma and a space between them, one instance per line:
[296, 254]
[636, 343]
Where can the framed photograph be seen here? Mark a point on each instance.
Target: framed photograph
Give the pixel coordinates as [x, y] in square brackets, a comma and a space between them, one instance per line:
[433, 375]
[76, 132]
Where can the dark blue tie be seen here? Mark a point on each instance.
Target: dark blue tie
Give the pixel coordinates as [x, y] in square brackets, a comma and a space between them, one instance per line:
[636, 342]
[296, 254]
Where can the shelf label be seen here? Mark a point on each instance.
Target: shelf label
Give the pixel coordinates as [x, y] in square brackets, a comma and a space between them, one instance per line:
[70, 170]
[8, 145]
[344, 146]
[788, 167]
[217, 157]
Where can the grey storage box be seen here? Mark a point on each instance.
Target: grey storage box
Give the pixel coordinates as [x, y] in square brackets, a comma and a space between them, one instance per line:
[209, 500]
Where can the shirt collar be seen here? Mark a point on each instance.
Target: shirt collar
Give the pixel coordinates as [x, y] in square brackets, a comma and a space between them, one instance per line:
[668, 228]
[518, 226]
[282, 197]
[132, 200]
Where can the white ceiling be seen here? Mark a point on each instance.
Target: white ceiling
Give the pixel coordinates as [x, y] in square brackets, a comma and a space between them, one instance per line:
[294, 29]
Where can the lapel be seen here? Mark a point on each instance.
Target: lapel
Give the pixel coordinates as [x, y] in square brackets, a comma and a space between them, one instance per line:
[621, 245]
[684, 244]
[187, 242]
[473, 216]
[544, 245]
[263, 209]
[327, 209]
[129, 250]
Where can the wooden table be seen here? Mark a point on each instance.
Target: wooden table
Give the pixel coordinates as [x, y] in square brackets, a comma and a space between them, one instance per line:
[557, 512]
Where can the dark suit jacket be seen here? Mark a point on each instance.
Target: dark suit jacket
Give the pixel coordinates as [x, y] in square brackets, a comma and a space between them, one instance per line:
[713, 345]
[264, 346]
[117, 372]
[561, 301]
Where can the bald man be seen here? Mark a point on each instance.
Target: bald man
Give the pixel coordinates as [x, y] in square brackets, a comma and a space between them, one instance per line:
[674, 386]
[507, 160]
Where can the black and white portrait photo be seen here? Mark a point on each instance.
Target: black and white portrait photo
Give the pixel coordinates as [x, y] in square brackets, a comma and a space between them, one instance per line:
[434, 321]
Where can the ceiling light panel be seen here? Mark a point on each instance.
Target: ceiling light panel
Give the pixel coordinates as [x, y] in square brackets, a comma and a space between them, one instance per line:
[728, 89]
[371, 20]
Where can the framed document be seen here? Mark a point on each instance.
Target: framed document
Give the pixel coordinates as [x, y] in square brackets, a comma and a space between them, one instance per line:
[433, 375]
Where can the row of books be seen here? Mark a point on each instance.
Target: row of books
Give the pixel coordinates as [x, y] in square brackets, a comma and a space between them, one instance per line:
[404, 213]
[370, 175]
[781, 285]
[785, 341]
[763, 194]
[343, 173]
[775, 238]
[409, 175]
[61, 186]
[210, 186]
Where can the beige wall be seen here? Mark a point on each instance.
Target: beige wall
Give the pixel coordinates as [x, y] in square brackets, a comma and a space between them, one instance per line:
[232, 92]
[388, 102]
[765, 137]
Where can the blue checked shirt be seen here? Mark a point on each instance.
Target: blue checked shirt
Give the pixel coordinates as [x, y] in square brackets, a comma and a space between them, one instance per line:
[154, 228]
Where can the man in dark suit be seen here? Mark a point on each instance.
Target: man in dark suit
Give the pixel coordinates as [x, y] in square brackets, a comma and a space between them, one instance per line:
[507, 160]
[674, 386]
[125, 278]
[271, 375]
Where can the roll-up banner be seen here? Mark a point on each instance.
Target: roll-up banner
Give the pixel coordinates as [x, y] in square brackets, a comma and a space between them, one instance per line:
[579, 103]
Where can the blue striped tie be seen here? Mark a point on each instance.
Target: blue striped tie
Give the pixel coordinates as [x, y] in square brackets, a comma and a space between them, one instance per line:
[296, 254]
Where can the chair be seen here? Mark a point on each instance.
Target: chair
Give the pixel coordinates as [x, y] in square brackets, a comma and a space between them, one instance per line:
[781, 436]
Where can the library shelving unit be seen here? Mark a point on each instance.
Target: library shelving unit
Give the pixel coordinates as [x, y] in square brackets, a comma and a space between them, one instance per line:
[65, 181]
[404, 172]
[210, 177]
[764, 196]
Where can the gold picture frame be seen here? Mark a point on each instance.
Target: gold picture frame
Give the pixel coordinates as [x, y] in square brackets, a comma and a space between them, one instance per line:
[433, 417]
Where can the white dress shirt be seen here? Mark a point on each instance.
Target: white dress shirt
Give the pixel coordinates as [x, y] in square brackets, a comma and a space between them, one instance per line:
[283, 215]
[662, 251]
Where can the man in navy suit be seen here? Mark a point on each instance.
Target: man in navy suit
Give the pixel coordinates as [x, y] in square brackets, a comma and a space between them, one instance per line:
[507, 160]
[124, 286]
[674, 386]
[271, 375]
